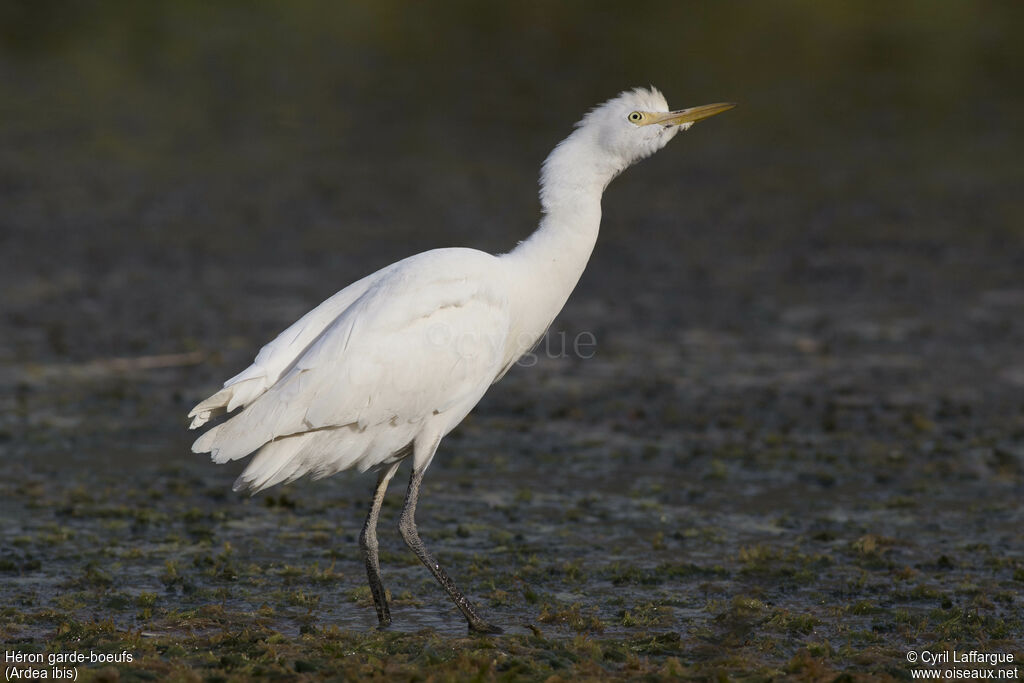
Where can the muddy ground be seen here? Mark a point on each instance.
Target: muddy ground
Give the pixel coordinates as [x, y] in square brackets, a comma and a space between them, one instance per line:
[797, 450]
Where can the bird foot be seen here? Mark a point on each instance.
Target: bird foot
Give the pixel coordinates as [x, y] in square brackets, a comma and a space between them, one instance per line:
[481, 626]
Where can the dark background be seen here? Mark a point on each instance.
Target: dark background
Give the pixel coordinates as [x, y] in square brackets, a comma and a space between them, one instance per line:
[802, 434]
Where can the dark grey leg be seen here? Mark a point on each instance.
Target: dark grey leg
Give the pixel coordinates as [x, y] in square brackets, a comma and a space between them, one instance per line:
[407, 525]
[368, 542]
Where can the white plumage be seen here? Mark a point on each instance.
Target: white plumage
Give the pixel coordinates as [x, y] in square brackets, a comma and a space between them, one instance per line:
[359, 378]
[389, 365]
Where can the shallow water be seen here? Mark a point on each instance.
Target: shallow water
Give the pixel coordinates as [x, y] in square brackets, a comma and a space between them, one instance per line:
[801, 438]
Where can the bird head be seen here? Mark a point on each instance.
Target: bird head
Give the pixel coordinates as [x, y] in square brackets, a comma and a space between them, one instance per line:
[611, 138]
[638, 123]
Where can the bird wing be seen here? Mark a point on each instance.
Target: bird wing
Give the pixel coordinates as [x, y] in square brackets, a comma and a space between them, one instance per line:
[278, 356]
[427, 336]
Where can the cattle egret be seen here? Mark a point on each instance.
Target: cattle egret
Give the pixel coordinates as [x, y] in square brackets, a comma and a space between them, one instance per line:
[385, 368]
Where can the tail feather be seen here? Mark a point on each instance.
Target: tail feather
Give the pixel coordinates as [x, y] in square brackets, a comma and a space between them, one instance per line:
[227, 399]
[269, 417]
[279, 458]
[320, 453]
[208, 443]
[275, 463]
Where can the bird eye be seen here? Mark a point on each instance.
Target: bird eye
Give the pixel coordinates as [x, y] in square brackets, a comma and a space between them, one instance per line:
[636, 117]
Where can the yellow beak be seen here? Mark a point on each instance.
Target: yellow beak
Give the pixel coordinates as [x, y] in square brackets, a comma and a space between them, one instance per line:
[691, 115]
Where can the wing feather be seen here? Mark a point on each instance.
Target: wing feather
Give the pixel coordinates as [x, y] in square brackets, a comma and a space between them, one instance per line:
[276, 357]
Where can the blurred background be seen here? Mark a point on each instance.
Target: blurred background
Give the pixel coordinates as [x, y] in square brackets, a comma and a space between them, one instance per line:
[815, 298]
[161, 159]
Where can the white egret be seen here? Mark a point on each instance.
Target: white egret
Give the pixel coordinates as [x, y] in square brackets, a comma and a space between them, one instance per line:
[385, 368]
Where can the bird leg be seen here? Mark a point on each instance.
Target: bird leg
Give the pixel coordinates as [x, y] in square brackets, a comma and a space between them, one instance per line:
[407, 526]
[368, 542]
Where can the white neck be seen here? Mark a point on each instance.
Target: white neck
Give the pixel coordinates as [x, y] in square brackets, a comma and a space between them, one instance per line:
[549, 264]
